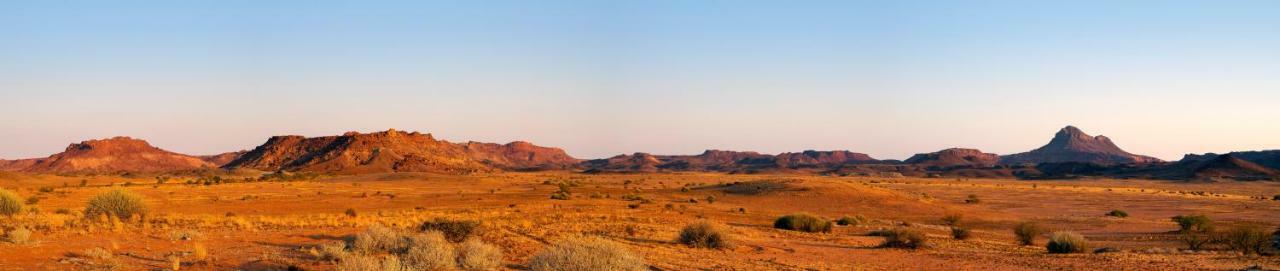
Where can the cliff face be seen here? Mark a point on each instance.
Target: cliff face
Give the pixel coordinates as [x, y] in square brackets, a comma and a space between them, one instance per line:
[1073, 145]
[396, 151]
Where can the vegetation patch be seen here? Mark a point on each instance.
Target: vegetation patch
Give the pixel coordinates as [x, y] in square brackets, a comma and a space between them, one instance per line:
[803, 222]
[454, 230]
[904, 238]
[1067, 242]
[705, 234]
[586, 254]
[117, 203]
[1026, 233]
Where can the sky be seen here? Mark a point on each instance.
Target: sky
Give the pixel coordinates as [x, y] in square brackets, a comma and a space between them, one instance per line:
[601, 78]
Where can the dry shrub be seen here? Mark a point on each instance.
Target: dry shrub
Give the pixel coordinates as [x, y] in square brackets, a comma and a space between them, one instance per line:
[332, 251]
[952, 219]
[1118, 213]
[705, 234]
[1246, 239]
[378, 238]
[475, 255]
[454, 230]
[904, 238]
[118, 203]
[428, 251]
[1067, 242]
[19, 236]
[10, 203]
[586, 254]
[199, 252]
[960, 233]
[851, 220]
[98, 253]
[371, 263]
[1195, 240]
[803, 222]
[1026, 233]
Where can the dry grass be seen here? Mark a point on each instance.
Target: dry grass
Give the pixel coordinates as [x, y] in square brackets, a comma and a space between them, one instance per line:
[10, 203]
[1067, 242]
[454, 230]
[803, 222]
[1026, 232]
[21, 236]
[586, 254]
[904, 238]
[475, 255]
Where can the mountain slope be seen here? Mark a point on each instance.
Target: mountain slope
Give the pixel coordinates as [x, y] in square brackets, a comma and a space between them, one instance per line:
[396, 151]
[112, 155]
[1073, 145]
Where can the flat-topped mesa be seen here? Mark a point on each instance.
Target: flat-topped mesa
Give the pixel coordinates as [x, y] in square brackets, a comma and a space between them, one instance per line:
[1073, 145]
[397, 151]
[955, 157]
[112, 155]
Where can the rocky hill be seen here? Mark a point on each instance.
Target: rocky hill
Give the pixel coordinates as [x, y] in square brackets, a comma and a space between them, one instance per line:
[1073, 145]
[396, 151]
[112, 155]
[955, 157]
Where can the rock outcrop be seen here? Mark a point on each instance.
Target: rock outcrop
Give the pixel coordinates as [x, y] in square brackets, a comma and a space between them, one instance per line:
[1073, 145]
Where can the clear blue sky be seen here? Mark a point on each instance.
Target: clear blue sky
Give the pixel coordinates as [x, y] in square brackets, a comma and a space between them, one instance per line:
[598, 78]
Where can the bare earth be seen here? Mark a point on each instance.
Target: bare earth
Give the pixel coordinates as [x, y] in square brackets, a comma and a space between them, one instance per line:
[273, 225]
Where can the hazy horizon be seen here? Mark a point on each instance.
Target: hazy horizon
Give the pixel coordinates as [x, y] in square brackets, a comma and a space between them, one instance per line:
[890, 79]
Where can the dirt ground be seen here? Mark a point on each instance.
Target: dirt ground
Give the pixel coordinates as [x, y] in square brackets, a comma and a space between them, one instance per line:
[275, 225]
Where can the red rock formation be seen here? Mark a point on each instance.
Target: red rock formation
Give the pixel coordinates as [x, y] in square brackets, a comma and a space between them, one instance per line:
[396, 151]
[223, 158]
[1072, 145]
[118, 154]
[955, 157]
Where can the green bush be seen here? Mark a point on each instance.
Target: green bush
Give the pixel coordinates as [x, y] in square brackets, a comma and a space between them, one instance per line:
[587, 254]
[705, 234]
[1246, 239]
[803, 222]
[119, 203]
[1118, 213]
[454, 230]
[904, 238]
[10, 203]
[1067, 242]
[1026, 233]
[1196, 223]
[960, 233]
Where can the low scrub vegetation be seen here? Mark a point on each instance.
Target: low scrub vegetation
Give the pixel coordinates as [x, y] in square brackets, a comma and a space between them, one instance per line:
[382, 248]
[960, 233]
[1247, 239]
[1067, 242]
[952, 219]
[1026, 233]
[903, 238]
[454, 230]
[1193, 223]
[972, 199]
[117, 203]
[1118, 213]
[10, 203]
[851, 220]
[586, 254]
[803, 222]
[21, 236]
[1195, 240]
[705, 234]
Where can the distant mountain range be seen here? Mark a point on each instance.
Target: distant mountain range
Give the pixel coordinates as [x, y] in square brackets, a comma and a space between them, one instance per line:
[1070, 153]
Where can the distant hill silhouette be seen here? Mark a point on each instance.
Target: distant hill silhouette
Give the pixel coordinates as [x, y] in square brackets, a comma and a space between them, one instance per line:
[1073, 145]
